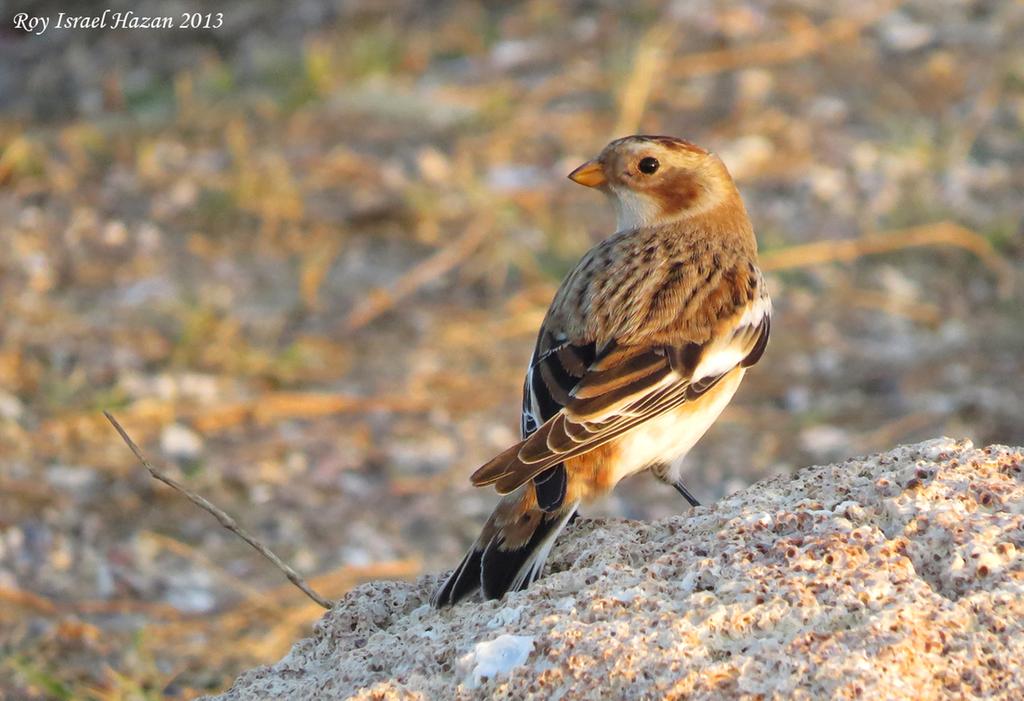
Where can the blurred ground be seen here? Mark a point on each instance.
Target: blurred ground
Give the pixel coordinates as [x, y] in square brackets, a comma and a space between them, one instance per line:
[303, 259]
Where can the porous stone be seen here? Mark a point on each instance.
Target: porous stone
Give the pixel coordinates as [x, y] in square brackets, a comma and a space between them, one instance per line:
[894, 576]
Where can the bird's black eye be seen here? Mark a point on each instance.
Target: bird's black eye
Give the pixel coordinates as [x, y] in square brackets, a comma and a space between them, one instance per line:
[648, 165]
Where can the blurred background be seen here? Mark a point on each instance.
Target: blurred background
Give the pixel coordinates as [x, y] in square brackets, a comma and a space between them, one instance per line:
[303, 258]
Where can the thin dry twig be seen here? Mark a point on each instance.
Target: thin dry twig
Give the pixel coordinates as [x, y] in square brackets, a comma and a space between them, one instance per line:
[28, 600]
[46, 606]
[265, 408]
[915, 310]
[648, 62]
[270, 407]
[898, 430]
[225, 520]
[939, 234]
[438, 264]
[803, 43]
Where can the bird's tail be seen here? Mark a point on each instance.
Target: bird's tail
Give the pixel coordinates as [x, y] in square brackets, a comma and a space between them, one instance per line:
[510, 553]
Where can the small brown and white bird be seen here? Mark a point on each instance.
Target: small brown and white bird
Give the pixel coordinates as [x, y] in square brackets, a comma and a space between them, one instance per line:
[645, 343]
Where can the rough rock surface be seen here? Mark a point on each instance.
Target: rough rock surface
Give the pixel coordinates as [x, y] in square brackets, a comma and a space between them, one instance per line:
[887, 577]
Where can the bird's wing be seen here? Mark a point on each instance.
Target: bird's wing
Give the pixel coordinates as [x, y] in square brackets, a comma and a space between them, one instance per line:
[579, 405]
[553, 373]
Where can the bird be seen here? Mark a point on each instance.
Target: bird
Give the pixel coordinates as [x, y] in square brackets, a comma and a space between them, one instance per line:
[645, 343]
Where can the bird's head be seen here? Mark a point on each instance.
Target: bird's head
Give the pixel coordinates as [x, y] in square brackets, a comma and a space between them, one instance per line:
[657, 179]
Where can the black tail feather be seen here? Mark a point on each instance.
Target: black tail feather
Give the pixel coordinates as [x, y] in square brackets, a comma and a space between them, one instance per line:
[494, 571]
[500, 567]
[461, 583]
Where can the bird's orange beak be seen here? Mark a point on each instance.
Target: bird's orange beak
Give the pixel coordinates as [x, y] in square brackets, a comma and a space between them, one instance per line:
[590, 174]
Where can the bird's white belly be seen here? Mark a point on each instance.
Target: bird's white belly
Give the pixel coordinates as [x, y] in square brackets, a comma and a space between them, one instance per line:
[671, 435]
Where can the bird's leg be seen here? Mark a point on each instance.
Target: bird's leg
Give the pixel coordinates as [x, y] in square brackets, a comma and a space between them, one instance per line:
[678, 484]
[664, 473]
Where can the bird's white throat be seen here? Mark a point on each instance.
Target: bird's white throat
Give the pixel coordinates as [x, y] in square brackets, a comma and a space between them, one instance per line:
[635, 210]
